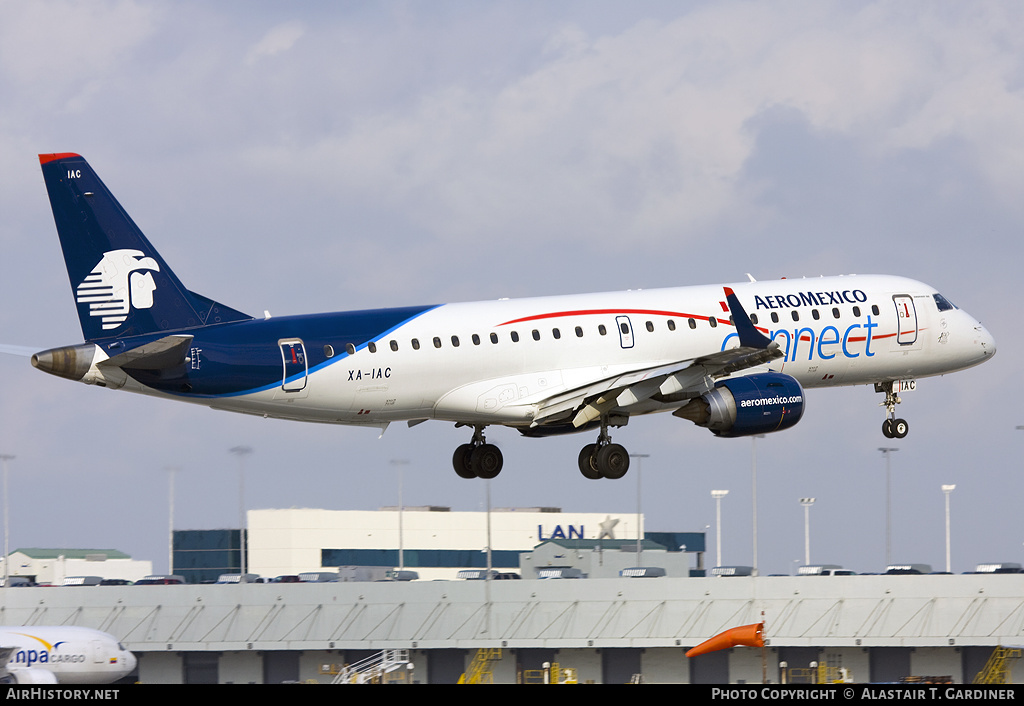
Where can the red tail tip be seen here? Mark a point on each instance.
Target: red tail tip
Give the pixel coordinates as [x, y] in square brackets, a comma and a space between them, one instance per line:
[46, 158]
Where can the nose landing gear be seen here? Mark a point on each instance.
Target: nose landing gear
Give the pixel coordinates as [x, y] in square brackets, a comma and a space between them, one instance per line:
[892, 428]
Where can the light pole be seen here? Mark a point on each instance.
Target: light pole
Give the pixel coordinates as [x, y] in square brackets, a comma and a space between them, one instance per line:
[639, 537]
[947, 490]
[718, 495]
[753, 492]
[400, 463]
[887, 452]
[7, 523]
[807, 502]
[170, 518]
[241, 452]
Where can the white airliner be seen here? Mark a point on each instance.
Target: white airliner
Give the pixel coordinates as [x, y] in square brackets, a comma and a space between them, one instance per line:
[65, 654]
[544, 366]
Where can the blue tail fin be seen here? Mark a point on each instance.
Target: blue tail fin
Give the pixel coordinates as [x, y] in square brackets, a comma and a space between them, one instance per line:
[121, 284]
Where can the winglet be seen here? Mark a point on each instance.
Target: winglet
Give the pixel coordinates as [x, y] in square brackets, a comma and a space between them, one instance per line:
[750, 337]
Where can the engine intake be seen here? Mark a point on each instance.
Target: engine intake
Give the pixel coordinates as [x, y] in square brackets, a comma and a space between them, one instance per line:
[747, 405]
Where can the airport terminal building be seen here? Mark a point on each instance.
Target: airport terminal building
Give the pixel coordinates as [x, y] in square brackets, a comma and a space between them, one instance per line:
[431, 541]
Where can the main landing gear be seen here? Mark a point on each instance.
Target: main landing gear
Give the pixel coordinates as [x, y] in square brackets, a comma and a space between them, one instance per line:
[603, 459]
[477, 459]
[892, 428]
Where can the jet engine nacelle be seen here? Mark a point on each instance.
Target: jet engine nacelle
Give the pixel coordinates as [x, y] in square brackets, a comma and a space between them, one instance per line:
[751, 404]
[29, 676]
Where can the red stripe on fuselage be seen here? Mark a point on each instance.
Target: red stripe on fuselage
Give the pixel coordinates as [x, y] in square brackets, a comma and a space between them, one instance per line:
[607, 312]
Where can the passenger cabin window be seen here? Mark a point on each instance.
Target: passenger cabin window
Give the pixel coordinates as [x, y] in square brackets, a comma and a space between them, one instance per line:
[579, 332]
[394, 345]
[536, 335]
[753, 319]
[874, 309]
[329, 350]
[815, 315]
[624, 327]
[476, 340]
[671, 325]
[796, 315]
[713, 321]
[650, 326]
[835, 312]
[350, 348]
[515, 337]
[692, 322]
[455, 341]
[494, 338]
[372, 347]
[415, 344]
[437, 342]
[775, 318]
[555, 333]
[856, 311]
[602, 330]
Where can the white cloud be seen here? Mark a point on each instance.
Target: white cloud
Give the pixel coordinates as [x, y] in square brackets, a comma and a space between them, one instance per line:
[279, 39]
[647, 131]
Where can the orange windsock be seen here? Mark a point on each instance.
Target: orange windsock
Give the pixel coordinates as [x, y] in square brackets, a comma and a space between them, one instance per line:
[742, 636]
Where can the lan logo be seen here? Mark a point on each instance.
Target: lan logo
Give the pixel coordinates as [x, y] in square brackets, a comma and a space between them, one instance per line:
[116, 285]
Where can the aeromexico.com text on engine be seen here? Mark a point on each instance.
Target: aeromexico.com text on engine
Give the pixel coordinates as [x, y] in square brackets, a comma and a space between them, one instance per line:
[762, 401]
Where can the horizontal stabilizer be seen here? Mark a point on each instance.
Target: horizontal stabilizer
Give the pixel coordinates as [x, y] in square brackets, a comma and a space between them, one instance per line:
[163, 353]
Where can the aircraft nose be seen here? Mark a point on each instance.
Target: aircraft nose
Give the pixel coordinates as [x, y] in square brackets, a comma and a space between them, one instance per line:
[130, 661]
[985, 341]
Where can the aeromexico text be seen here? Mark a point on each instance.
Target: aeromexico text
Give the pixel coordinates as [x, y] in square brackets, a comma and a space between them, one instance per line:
[783, 301]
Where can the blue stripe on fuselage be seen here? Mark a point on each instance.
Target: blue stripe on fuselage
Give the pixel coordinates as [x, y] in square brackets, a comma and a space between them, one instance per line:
[243, 358]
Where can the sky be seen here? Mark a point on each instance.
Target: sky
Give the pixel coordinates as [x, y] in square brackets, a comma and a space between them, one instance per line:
[320, 156]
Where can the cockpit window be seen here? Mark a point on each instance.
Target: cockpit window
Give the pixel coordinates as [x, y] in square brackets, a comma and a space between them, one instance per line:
[943, 303]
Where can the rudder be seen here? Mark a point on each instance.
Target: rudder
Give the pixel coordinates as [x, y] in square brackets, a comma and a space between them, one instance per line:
[121, 284]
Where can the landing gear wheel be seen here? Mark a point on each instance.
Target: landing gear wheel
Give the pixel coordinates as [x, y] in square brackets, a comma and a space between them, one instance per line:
[900, 428]
[612, 461]
[477, 459]
[462, 461]
[587, 462]
[892, 428]
[486, 461]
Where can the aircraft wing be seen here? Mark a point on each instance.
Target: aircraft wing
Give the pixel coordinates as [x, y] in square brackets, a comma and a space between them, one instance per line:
[682, 379]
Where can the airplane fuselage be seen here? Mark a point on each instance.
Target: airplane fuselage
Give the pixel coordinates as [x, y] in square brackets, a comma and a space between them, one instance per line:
[495, 362]
[731, 358]
[64, 654]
